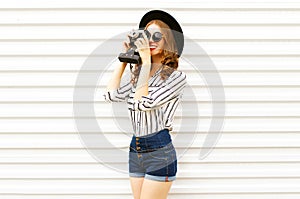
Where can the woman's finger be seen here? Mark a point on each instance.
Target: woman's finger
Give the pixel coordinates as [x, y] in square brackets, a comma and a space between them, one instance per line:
[125, 45]
[145, 37]
[128, 39]
[139, 41]
[137, 44]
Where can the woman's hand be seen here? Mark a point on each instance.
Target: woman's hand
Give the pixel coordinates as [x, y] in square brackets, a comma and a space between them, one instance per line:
[142, 45]
[126, 45]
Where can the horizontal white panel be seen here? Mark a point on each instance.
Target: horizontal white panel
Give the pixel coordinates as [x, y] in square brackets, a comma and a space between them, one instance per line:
[65, 186]
[171, 195]
[85, 48]
[198, 78]
[218, 155]
[76, 63]
[123, 186]
[245, 78]
[53, 95]
[193, 79]
[256, 155]
[106, 32]
[141, 5]
[97, 171]
[85, 196]
[103, 109]
[53, 171]
[41, 48]
[122, 141]
[77, 171]
[128, 16]
[35, 125]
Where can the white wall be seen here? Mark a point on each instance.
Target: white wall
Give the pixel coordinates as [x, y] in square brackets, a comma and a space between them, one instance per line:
[254, 46]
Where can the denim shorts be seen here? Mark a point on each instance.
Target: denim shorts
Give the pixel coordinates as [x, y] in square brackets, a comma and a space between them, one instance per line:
[153, 156]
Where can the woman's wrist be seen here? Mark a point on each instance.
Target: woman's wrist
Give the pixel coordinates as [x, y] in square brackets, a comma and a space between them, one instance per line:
[123, 64]
[146, 61]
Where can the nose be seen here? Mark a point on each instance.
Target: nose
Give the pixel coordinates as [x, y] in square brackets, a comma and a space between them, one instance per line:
[151, 40]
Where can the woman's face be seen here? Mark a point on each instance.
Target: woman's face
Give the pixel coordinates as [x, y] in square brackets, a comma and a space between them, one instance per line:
[155, 47]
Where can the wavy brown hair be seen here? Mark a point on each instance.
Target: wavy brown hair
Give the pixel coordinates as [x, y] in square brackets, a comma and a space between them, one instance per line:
[169, 54]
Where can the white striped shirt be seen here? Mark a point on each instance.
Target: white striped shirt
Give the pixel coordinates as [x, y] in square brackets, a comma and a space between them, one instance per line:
[154, 111]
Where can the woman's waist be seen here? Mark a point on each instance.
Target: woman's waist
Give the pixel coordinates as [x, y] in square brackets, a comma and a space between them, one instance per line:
[152, 141]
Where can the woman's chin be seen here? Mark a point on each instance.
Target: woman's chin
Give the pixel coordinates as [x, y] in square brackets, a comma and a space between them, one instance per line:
[156, 51]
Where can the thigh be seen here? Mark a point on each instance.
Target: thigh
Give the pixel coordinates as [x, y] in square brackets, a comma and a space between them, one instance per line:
[136, 186]
[155, 189]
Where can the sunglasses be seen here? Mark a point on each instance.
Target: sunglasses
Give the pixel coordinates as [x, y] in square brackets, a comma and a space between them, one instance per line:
[156, 36]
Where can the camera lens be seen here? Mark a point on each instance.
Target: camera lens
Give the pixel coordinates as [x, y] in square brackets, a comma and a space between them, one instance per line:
[135, 34]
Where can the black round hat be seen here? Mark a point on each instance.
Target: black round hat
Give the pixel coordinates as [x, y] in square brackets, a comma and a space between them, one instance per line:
[170, 21]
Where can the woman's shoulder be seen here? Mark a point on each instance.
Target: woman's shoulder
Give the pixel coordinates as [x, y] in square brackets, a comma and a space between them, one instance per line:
[175, 76]
[178, 73]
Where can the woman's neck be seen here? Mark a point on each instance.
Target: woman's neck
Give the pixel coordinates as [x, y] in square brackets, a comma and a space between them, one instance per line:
[156, 62]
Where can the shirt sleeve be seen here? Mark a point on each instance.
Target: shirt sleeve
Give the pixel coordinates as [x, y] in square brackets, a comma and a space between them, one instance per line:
[170, 89]
[120, 94]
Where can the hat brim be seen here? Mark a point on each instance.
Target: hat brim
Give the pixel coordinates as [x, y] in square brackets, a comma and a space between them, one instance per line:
[170, 21]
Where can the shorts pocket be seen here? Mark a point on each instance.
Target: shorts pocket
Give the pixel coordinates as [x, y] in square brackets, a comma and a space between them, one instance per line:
[158, 154]
[170, 153]
[169, 148]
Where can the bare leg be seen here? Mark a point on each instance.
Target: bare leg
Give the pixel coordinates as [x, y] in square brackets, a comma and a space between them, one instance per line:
[136, 186]
[154, 189]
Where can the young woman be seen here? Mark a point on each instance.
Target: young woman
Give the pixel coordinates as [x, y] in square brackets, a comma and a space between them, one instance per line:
[152, 94]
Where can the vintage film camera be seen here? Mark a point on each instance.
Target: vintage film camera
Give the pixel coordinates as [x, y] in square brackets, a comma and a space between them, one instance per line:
[132, 54]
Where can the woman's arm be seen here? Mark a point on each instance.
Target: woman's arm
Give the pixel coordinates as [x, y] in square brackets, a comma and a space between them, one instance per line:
[115, 79]
[142, 84]
[144, 51]
[114, 92]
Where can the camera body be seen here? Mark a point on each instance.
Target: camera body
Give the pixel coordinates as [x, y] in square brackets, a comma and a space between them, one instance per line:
[132, 55]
